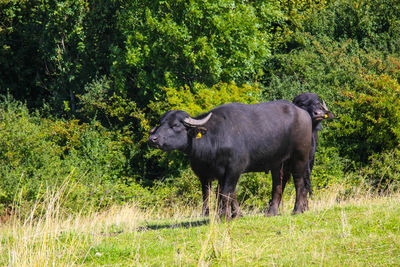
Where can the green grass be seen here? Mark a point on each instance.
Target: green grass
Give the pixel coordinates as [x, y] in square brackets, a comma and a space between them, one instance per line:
[361, 231]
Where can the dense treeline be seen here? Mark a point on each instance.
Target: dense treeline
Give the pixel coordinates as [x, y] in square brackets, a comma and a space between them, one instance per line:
[83, 81]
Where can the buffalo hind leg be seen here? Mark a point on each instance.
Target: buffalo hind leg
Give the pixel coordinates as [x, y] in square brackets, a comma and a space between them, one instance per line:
[307, 178]
[286, 168]
[277, 190]
[299, 176]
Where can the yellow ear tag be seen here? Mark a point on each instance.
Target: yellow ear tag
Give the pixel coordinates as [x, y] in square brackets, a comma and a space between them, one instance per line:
[326, 116]
[198, 136]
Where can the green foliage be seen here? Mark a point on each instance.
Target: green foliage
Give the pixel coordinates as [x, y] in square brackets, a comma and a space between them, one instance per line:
[295, 17]
[178, 191]
[99, 102]
[201, 98]
[173, 43]
[347, 53]
[26, 154]
[41, 42]
[329, 167]
[371, 115]
[254, 190]
[383, 172]
[51, 49]
[373, 24]
[323, 67]
[36, 153]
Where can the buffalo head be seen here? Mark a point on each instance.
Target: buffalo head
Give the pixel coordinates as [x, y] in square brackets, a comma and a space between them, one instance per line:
[311, 103]
[175, 129]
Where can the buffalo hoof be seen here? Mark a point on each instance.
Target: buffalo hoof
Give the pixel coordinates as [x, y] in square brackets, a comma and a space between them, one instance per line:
[271, 212]
[300, 209]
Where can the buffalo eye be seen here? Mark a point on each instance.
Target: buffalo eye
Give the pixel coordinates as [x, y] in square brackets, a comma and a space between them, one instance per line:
[176, 126]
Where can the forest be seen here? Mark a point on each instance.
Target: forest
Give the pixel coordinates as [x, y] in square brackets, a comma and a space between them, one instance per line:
[83, 82]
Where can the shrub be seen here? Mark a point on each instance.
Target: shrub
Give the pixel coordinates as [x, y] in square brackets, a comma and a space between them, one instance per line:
[254, 190]
[28, 158]
[383, 171]
[329, 167]
[374, 25]
[370, 122]
[202, 98]
[37, 154]
[177, 43]
[175, 191]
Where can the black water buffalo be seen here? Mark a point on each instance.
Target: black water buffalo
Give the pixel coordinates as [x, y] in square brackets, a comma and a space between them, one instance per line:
[318, 112]
[237, 138]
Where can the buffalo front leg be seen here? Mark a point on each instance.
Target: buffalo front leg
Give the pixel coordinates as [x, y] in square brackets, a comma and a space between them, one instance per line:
[206, 188]
[236, 213]
[228, 206]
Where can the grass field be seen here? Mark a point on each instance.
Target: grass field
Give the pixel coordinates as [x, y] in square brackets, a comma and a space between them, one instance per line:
[364, 230]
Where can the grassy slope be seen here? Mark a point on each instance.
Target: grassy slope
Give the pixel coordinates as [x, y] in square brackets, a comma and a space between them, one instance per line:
[361, 231]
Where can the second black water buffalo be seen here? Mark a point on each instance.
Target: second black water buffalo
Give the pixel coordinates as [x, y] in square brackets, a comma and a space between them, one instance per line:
[318, 112]
[237, 138]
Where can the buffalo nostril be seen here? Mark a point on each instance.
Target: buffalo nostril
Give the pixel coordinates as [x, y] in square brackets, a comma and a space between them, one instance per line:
[153, 138]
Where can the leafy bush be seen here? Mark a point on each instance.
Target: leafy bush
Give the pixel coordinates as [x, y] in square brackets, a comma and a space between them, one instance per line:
[383, 171]
[27, 157]
[370, 122]
[254, 190]
[38, 153]
[174, 191]
[202, 98]
[177, 43]
[51, 49]
[374, 25]
[329, 167]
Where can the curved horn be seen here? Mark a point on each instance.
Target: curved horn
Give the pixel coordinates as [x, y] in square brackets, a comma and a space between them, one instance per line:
[193, 122]
[324, 105]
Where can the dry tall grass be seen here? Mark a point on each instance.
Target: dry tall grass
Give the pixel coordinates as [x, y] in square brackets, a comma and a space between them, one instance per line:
[49, 236]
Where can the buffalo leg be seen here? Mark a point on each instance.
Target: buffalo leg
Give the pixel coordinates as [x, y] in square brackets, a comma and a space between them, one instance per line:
[299, 174]
[235, 207]
[286, 175]
[277, 190]
[310, 163]
[206, 188]
[228, 206]
[307, 178]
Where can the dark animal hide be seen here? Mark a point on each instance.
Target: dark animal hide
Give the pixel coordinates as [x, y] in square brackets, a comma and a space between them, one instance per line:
[237, 138]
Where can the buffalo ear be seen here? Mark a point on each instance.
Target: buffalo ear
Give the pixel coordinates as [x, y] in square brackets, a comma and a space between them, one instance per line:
[329, 115]
[202, 130]
[197, 132]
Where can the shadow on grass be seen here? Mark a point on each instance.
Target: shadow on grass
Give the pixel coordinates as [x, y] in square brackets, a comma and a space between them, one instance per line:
[187, 224]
